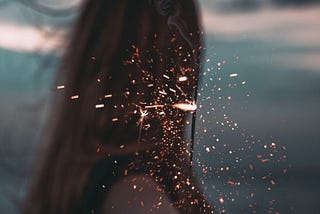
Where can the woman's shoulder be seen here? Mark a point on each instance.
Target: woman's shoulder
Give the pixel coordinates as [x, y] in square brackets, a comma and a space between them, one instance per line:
[137, 194]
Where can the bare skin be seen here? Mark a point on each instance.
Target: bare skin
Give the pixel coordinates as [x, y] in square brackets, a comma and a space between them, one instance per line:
[137, 194]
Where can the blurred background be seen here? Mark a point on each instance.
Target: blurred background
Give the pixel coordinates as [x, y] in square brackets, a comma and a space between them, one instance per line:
[258, 132]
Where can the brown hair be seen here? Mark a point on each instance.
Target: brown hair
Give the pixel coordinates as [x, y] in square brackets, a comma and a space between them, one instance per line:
[121, 54]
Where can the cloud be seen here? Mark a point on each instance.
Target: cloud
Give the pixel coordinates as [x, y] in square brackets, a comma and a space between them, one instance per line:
[25, 30]
[26, 38]
[295, 28]
[298, 26]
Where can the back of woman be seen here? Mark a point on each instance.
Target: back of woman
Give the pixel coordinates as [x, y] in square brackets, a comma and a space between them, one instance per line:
[130, 77]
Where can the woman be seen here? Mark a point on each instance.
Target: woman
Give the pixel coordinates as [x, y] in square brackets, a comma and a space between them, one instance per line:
[126, 84]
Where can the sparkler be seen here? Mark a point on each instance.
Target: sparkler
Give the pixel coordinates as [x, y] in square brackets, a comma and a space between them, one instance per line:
[143, 114]
[168, 94]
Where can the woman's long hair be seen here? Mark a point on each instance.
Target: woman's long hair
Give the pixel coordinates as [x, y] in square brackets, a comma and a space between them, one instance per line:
[120, 81]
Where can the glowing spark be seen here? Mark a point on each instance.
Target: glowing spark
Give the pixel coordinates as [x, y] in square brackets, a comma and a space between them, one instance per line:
[163, 92]
[115, 119]
[165, 76]
[60, 87]
[221, 200]
[182, 79]
[185, 106]
[74, 97]
[183, 93]
[154, 106]
[231, 183]
[100, 106]
[250, 166]
[108, 96]
[174, 91]
[233, 75]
